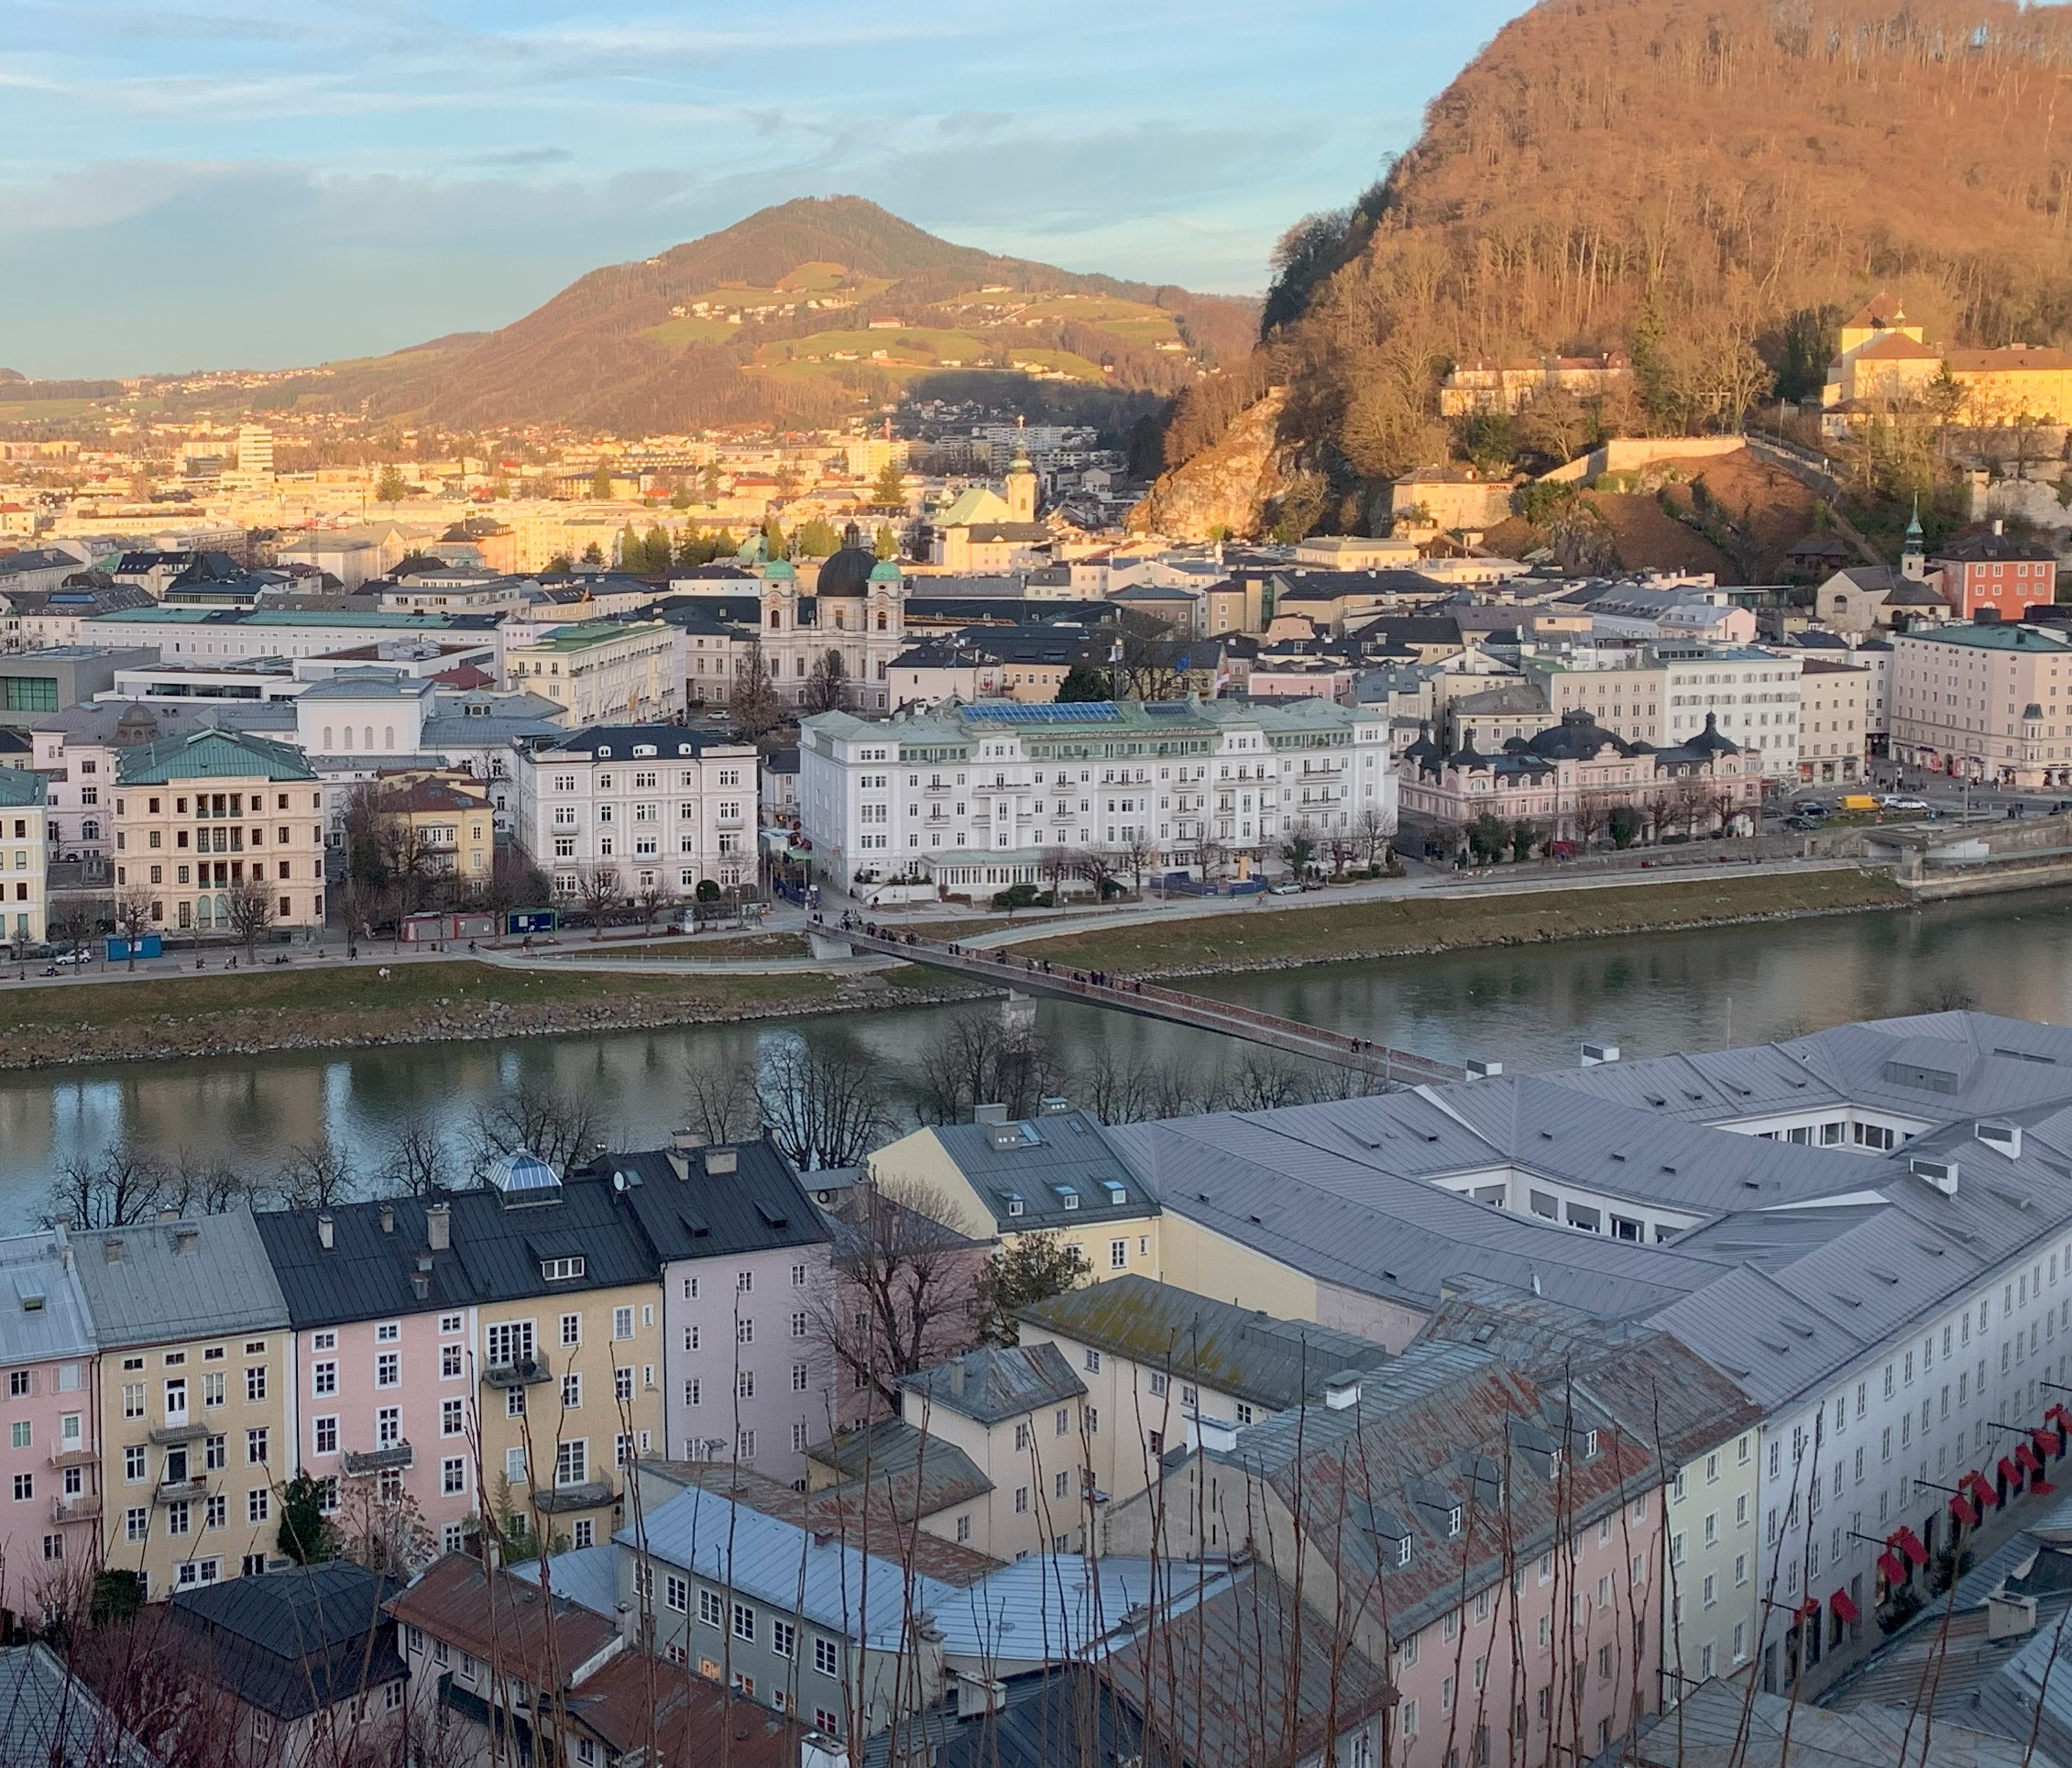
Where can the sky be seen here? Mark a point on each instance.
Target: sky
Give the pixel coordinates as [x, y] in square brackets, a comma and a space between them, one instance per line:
[267, 184]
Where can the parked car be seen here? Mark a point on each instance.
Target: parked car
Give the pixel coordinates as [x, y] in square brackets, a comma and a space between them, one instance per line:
[1809, 808]
[1286, 887]
[1804, 825]
[1894, 801]
[68, 957]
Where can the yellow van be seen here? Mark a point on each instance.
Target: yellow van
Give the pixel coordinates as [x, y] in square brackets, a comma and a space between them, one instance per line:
[1859, 801]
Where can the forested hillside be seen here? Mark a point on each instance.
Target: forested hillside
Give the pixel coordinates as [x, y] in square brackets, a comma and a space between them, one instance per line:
[1709, 185]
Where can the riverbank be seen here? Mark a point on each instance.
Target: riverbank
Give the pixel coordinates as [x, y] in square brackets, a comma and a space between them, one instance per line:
[224, 1013]
[1405, 927]
[462, 1000]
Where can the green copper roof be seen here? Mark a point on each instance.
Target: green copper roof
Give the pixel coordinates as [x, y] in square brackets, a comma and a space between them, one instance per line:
[209, 755]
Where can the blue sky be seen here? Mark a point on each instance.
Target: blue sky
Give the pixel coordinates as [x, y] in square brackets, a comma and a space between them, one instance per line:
[269, 183]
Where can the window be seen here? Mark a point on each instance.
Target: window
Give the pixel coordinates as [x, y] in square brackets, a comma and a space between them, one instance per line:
[449, 1362]
[558, 1270]
[572, 1462]
[324, 1435]
[744, 1622]
[823, 1656]
[255, 1447]
[388, 1369]
[323, 1379]
[784, 1638]
[1118, 1255]
[255, 1383]
[676, 1594]
[1093, 1362]
[571, 1329]
[571, 1390]
[708, 1608]
[453, 1418]
[622, 1323]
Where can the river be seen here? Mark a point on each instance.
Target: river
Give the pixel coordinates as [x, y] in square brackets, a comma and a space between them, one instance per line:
[1527, 1006]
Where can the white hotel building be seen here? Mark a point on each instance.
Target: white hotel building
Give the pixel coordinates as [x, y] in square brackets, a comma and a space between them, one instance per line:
[975, 798]
[660, 805]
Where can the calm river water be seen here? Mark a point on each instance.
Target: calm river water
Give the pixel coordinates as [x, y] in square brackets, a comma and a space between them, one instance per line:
[1528, 1006]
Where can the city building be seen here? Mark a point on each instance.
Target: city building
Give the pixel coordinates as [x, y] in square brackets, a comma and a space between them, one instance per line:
[442, 825]
[50, 680]
[51, 1465]
[25, 854]
[1993, 571]
[1834, 717]
[856, 615]
[304, 1655]
[1056, 1173]
[222, 793]
[211, 636]
[664, 808]
[1577, 782]
[1164, 1367]
[511, 1332]
[747, 1372]
[1987, 701]
[196, 1404]
[972, 798]
[603, 671]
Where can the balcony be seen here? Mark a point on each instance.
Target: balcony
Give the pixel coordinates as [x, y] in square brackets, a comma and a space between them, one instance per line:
[374, 1461]
[528, 1371]
[178, 1427]
[585, 1496]
[174, 1491]
[80, 1457]
[82, 1507]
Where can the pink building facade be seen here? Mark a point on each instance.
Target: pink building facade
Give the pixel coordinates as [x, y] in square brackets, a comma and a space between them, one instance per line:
[50, 1449]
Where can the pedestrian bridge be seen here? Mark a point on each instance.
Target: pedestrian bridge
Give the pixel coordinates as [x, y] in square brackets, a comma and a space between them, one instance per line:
[1026, 975]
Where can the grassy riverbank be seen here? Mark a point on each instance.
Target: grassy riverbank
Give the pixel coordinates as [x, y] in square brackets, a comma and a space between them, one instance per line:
[300, 1009]
[1397, 927]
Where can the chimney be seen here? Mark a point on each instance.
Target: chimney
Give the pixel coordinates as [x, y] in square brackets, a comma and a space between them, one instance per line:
[326, 1233]
[111, 1250]
[438, 1228]
[2000, 527]
[387, 1218]
[168, 1214]
[421, 1285]
[686, 1138]
[719, 1162]
[1341, 1391]
[989, 1113]
[1942, 1174]
[1595, 1055]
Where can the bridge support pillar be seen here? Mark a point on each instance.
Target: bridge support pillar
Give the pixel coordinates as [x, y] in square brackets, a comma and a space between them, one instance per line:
[828, 945]
[1018, 1012]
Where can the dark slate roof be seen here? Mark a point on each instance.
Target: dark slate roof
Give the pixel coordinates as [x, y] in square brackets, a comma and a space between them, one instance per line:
[1233, 1350]
[494, 1255]
[996, 1383]
[1987, 543]
[295, 1641]
[621, 740]
[920, 1473]
[688, 1213]
[1061, 1717]
[1578, 737]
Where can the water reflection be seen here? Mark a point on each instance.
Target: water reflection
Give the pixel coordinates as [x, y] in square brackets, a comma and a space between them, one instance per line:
[1528, 1006]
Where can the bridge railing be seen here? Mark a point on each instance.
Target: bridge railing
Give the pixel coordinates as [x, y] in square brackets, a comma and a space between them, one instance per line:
[1394, 1064]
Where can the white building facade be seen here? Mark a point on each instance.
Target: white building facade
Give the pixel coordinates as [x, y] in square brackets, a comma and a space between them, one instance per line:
[986, 795]
[664, 808]
[1753, 693]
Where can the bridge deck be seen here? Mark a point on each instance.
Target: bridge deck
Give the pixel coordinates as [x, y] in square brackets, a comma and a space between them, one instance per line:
[1032, 976]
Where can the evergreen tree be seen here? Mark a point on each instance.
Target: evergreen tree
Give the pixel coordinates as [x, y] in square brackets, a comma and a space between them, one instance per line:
[562, 563]
[891, 486]
[632, 556]
[1083, 683]
[305, 1535]
[593, 554]
[389, 488]
[600, 481]
[772, 538]
[816, 538]
[886, 544]
[654, 554]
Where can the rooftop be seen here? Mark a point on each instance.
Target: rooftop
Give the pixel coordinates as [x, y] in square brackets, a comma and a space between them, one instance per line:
[163, 1282]
[996, 1382]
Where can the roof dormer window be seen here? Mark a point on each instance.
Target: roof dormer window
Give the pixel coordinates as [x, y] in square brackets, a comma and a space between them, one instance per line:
[560, 1270]
[1453, 1521]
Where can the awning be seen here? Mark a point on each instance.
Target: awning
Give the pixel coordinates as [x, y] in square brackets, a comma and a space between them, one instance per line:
[1841, 1606]
[2058, 1413]
[2010, 1472]
[2025, 1457]
[1961, 1507]
[1889, 1569]
[2048, 1441]
[2042, 1487]
[1981, 1489]
[1909, 1544]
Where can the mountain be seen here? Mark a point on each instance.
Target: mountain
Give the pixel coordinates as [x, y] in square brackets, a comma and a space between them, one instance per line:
[799, 313]
[1708, 184]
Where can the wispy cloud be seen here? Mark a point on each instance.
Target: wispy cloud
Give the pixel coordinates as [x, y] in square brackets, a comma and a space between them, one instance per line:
[382, 170]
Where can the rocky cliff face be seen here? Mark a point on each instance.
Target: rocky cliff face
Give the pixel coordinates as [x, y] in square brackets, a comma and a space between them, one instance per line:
[1226, 487]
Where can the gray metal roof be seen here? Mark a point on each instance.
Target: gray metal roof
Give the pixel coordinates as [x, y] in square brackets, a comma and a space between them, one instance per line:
[1248, 1355]
[760, 1206]
[160, 1282]
[43, 1311]
[997, 1382]
[1061, 1168]
[51, 1718]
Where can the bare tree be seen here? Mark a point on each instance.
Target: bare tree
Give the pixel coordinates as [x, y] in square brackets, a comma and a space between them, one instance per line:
[600, 892]
[1372, 826]
[314, 1176]
[122, 1187]
[420, 1162]
[383, 1529]
[907, 1286]
[651, 899]
[1097, 866]
[133, 918]
[720, 1102]
[977, 1058]
[827, 686]
[1137, 853]
[1215, 856]
[1118, 1089]
[409, 862]
[1591, 817]
[1054, 867]
[251, 912]
[562, 1128]
[825, 1105]
[754, 704]
[1341, 845]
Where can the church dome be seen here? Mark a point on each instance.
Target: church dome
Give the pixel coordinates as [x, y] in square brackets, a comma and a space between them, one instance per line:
[847, 572]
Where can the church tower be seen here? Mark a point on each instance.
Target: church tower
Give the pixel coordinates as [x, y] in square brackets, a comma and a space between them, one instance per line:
[1021, 486]
[779, 596]
[1913, 556]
